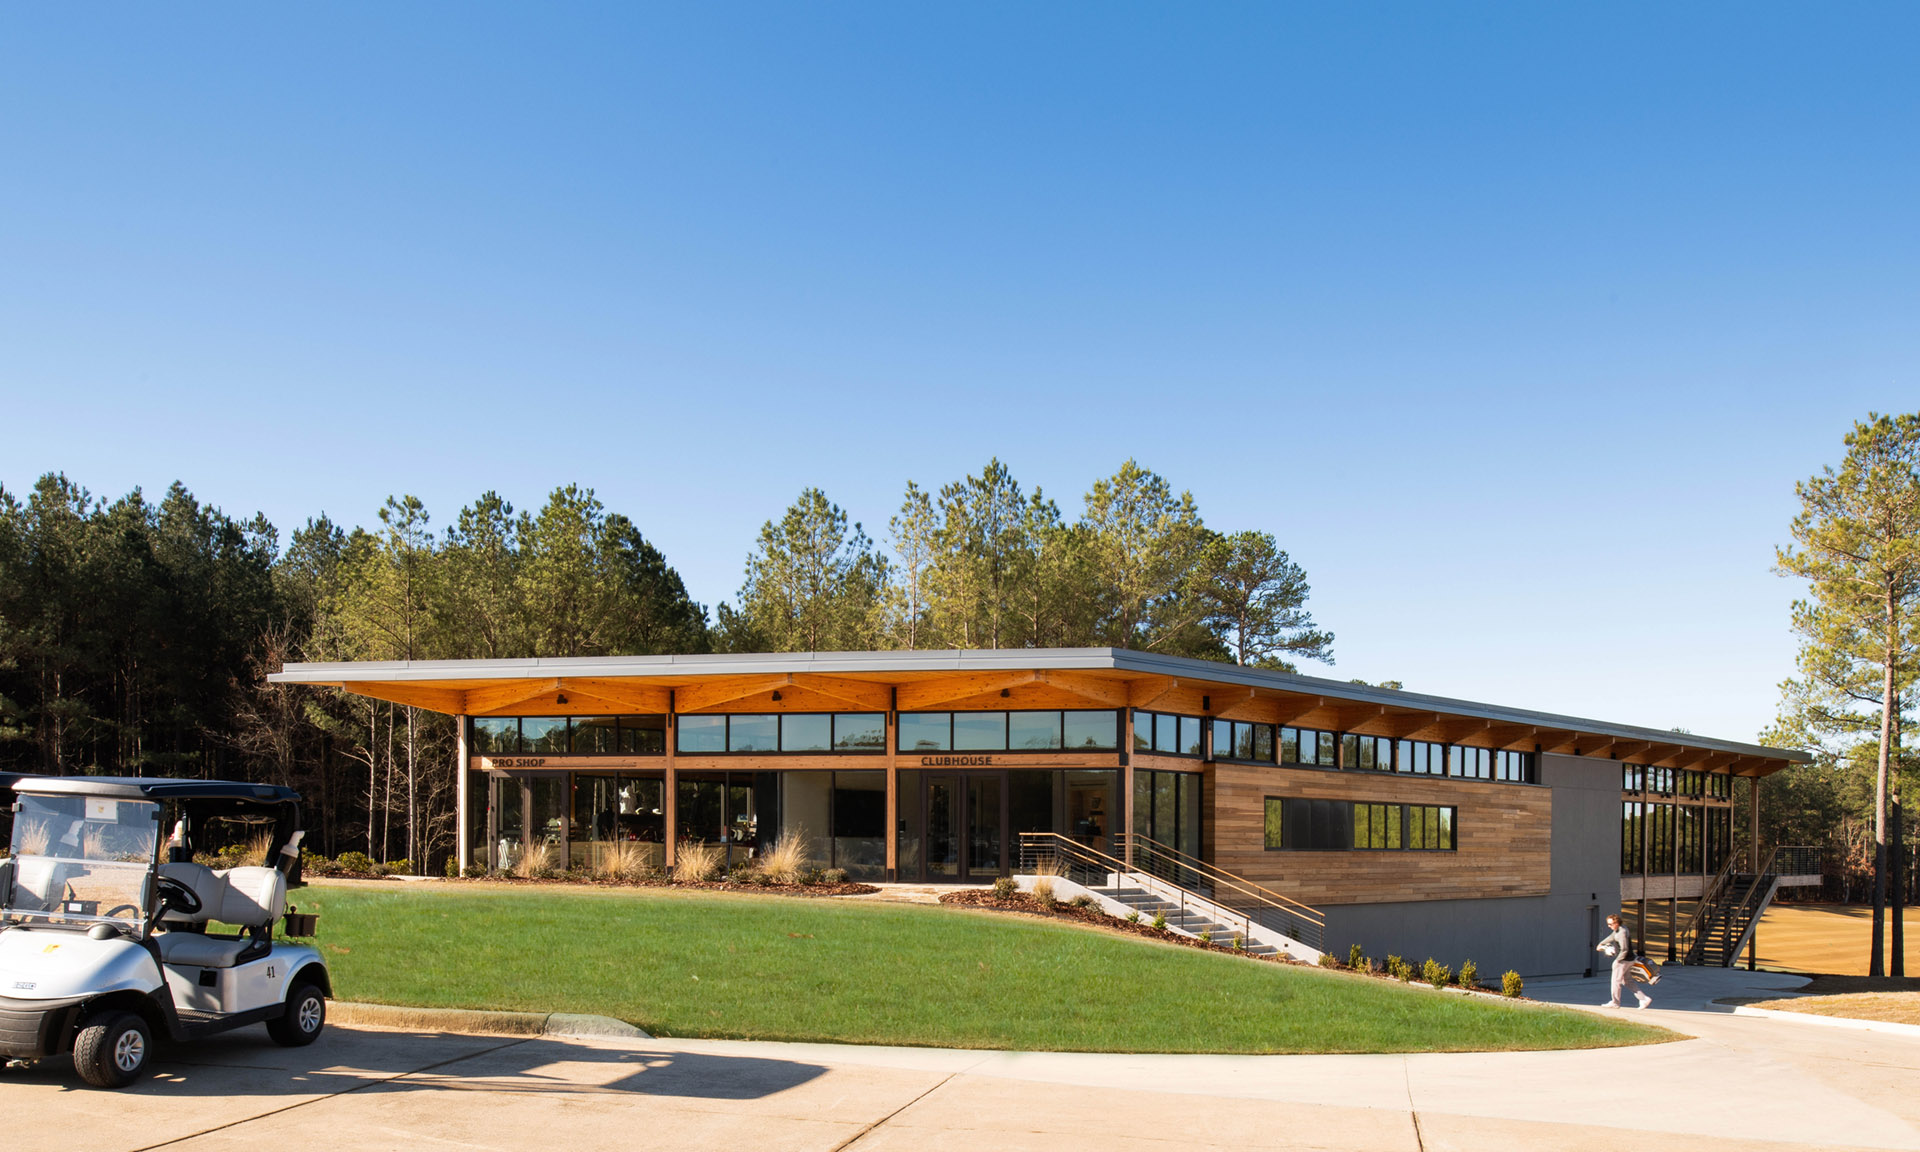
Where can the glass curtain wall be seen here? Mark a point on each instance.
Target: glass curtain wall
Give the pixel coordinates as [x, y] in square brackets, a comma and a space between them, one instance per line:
[610, 809]
[842, 817]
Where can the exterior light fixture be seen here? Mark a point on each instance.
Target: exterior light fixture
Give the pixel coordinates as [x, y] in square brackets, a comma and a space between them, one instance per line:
[776, 693]
[560, 699]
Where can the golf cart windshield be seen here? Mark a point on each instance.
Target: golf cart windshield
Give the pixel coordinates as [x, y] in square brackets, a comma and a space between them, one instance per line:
[82, 859]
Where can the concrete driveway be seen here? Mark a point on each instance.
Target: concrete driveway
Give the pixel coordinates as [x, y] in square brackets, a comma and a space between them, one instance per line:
[1742, 1083]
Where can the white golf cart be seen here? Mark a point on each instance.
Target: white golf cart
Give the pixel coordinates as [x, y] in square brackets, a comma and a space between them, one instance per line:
[104, 929]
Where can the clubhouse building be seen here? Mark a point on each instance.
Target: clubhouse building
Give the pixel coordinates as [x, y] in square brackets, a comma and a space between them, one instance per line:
[1402, 822]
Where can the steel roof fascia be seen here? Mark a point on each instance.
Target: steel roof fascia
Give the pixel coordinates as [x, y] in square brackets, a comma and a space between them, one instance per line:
[923, 660]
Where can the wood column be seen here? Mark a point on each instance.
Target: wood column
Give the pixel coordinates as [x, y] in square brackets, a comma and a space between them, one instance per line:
[670, 789]
[1126, 780]
[893, 794]
[462, 846]
[1753, 862]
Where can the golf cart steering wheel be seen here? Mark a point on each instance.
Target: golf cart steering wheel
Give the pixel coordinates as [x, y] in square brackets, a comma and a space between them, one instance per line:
[177, 896]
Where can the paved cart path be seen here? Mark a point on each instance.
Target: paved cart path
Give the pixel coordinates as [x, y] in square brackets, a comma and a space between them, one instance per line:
[1741, 1083]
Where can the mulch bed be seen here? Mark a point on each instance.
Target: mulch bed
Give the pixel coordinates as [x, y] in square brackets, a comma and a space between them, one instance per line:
[1846, 985]
[1024, 904]
[847, 889]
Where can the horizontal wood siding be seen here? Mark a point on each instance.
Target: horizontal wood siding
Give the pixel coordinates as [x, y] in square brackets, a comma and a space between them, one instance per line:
[1505, 832]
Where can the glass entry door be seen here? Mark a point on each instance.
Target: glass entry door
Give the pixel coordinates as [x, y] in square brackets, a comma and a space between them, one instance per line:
[966, 822]
[530, 812]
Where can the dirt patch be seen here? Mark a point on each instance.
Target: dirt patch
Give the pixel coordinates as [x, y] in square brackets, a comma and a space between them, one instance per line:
[1891, 1007]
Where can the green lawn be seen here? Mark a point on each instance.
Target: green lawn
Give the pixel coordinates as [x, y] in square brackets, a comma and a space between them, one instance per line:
[774, 968]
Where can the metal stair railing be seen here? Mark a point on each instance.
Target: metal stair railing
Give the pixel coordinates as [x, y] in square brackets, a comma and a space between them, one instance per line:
[1247, 897]
[1700, 925]
[1091, 868]
[1730, 918]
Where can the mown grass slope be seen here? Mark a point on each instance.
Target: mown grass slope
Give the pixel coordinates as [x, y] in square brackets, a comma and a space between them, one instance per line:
[774, 968]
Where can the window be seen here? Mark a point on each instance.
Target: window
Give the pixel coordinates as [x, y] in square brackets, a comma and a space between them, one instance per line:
[564, 736]
[1238, 740]
[1034, 731]
[1166, 734]
[1166, 809]
[797, 732]
[1300, 825]
[1422, 758]
[1307, 746]
[1091, 731]
[1632, 778]
[1472, 763]
[1368, 753]
[1513, 767]
[859, 732]
[1633, 844]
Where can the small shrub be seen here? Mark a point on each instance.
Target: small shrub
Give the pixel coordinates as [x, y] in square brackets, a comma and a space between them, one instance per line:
[1206, 935]
[1239, 941]
[1436, 973]
[1328, 960]
[1356, 959]
[1005, 888]
[399, 868]
[1399, 969]
[356, 863]
[697, 861]
[1510, 984]
[833, 876]
[314, 864]
[1469, 974]
[1160, 920]
[1043, 890]
[475, 872]
[1082, 901]
[1133, 917]
[452, 869]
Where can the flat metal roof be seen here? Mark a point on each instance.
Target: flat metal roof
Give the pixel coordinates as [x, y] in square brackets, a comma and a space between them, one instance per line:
[691, 668]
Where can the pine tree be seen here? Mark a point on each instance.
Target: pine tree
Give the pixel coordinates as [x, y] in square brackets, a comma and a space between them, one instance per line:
[1857, 544]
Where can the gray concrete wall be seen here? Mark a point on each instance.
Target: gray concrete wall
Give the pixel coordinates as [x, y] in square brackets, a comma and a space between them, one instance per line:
[1533, 935]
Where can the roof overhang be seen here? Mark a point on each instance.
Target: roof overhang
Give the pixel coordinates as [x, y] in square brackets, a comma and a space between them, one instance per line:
[1007, 678]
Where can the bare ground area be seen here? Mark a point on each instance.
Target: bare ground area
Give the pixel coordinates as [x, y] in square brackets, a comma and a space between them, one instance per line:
[1826, 938]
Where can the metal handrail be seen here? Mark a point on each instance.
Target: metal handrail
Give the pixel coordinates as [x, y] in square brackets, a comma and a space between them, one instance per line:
[1727, 907]
[1239, 883]
[1302, 923]
[1073, 849]
[1693, 936]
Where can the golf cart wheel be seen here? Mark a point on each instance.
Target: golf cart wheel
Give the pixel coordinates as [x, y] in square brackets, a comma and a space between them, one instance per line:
[112, 1049]
[306, 1014]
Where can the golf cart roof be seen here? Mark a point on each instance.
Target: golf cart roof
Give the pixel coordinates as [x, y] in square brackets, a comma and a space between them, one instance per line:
[149, 788]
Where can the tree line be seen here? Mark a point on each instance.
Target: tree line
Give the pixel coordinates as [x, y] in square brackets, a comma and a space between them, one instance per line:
[136, 637]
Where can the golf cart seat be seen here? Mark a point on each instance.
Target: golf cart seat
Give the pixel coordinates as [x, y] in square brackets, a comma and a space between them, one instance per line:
[248, 898]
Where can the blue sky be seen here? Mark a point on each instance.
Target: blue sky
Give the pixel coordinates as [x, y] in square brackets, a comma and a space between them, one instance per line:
[1515, 324]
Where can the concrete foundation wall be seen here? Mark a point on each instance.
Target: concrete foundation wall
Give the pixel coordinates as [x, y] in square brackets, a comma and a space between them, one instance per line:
[1533, 935]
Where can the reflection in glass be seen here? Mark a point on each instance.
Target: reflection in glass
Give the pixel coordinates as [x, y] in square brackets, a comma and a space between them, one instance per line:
[806, 732]
[702, 733]
[643, 735]
[860, 732]
[543, 735]
[1092, 731]
[979, 731]
[926, 731]
[943, 846]
[595, 735]
[1030, 731]
[983, 827]
[496, 736]
[756, 733]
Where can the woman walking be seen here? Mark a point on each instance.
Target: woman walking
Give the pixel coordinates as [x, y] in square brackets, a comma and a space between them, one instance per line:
[1618, 946]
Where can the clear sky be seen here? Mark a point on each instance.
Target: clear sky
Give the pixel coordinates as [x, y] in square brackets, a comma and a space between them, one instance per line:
[1515, 324]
